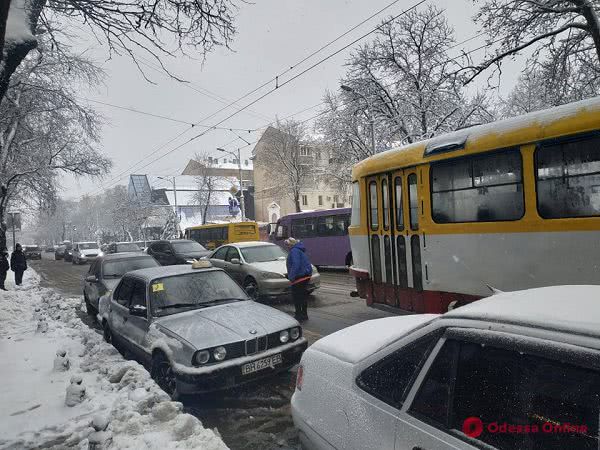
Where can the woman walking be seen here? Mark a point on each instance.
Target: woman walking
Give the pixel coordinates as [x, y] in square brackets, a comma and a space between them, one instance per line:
[18, 264]
[299, 273]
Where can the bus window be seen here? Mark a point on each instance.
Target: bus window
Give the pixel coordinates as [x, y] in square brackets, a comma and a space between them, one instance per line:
[385, 200]
[413, 201]
[281, 231]
[568, 178]
[399, 203]
[483, 188]
[373, 205]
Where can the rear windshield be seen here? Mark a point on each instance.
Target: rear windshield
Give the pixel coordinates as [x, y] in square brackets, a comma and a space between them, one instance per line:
[263, 253]
[187, 246]
[118, 268]
[128, 247]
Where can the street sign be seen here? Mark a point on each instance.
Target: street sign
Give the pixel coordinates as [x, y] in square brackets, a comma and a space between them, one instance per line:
[13, 221]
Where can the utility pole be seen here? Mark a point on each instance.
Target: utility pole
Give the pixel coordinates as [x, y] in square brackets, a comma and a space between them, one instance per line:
[239, 160]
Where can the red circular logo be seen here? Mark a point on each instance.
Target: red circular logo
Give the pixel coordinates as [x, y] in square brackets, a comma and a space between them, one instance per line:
[472, 427]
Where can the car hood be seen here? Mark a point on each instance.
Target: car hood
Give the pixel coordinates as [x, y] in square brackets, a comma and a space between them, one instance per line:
[271, 266]
[223, 324]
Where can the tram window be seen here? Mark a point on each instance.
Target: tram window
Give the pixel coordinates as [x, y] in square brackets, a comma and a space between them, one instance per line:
[402, 266]
[568, 178]
[399, 203]
[413, 201]
[483, 188]
[373, 205]
[387, 251]
[376, 257]
[355, 219]
[385, 206]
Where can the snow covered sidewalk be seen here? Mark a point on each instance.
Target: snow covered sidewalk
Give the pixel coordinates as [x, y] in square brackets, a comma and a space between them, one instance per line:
[116, 403]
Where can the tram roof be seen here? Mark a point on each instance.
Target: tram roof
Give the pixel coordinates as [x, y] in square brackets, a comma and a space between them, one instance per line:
[571, 309]
[550, 123]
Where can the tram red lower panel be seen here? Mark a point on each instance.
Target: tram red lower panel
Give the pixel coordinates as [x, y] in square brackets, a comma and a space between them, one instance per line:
[407, 299]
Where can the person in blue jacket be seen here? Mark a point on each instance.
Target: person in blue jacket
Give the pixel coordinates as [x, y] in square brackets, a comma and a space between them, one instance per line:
[299, 271]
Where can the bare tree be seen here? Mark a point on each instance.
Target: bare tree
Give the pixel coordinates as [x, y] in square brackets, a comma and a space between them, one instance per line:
[406, 83]
[157, 28]
[206, 182]
[44, 130]
[563, 34]
[287, 154]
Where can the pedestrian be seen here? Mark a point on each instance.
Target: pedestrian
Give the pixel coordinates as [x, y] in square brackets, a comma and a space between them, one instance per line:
[299, 271]
[18, 264]
[4, 266]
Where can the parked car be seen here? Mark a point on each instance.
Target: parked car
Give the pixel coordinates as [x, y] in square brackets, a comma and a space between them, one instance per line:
[49, 249]
[59, 252]
[121, 247]
[85, 252]
[197, 330]
[32, 252]
[177, 251]
[259, 267]
[516, 359]
[106, 272]
[68, 255]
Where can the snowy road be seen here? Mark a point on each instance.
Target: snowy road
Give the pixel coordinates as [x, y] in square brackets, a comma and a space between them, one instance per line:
[257, 416]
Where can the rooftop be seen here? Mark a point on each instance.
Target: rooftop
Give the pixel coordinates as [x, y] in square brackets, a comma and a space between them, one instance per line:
[572, 309]
[167, 271]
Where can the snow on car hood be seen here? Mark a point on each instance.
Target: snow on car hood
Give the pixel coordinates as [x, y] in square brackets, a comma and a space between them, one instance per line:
[271, 266]
[223, 324]
[355, 343]
[90, 251]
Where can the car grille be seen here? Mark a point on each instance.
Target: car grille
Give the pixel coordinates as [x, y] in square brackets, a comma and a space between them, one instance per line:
[255, 345]
[92, 255]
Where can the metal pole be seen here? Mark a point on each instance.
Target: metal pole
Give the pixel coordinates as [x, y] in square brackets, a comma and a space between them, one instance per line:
[242, 201]
[176, 208]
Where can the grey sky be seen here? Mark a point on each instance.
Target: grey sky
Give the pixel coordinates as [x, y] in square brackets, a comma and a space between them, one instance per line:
[272, 35]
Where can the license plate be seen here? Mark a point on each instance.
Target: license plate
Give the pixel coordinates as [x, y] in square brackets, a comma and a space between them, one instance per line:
[261, 364]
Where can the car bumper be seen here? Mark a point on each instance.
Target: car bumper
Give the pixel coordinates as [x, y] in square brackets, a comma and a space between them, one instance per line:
[231, 376]
[280, 287]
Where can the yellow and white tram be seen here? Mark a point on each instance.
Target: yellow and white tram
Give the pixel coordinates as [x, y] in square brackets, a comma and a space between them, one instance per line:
[513, 204]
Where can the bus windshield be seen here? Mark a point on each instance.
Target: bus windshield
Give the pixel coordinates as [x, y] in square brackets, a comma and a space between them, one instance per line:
[263, 253]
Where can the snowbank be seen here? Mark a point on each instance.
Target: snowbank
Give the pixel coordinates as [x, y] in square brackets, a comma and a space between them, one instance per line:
[122, 407]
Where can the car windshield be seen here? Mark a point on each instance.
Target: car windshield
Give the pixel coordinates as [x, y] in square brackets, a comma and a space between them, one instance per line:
[32, 248]
[187, 247]
[128, 247]
[193, 290]
[88, 245]
[263, 253]
[118, 268]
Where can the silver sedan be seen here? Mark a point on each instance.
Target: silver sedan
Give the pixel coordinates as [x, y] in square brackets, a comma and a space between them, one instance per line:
[259, 267]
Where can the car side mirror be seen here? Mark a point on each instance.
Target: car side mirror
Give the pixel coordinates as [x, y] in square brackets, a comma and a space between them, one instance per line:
[235, 261]
[91, 279]
[138, 310]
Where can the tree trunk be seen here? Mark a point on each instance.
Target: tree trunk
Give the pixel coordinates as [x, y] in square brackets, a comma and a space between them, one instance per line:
[297, 201]
[587, 10]
[4, 7]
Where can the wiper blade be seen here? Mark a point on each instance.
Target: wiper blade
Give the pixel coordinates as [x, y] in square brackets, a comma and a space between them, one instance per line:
[223, 300]
[178, 305]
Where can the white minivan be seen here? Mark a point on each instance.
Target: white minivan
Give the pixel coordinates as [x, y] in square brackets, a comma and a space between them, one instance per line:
[518, 370]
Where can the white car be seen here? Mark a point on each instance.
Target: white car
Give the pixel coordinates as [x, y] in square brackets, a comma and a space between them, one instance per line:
[85, 252]
[518, 370]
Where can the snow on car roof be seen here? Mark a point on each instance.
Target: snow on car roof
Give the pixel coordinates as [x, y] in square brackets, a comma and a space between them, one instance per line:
[252, 244]
[573, 309]
[355, 343]
[167, 271]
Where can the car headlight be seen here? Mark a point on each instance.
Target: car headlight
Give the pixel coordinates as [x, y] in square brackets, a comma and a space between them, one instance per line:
[284, 336]
[201, 357]
[295, 333]
[220, 353]
[271, 275]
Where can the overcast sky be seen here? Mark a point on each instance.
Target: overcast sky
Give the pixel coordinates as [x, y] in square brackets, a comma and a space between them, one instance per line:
[271, 36]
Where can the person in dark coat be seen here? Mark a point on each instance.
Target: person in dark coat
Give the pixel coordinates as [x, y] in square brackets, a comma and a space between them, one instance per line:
[299, 271]
[18, 264]
[4, 266]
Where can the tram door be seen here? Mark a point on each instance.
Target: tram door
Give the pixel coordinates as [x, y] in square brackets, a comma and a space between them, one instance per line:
[415, 208]
[401, 240]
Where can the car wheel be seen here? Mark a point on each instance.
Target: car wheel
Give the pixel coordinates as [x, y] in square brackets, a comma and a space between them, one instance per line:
[106, 333]
[88, 306]
[251, 288]
[162, 373]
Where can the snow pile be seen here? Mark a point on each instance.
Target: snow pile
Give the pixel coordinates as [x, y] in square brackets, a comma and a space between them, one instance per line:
[17, 24]
[62, 386]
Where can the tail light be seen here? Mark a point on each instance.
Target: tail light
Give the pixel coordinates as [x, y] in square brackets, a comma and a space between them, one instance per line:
[299, 377]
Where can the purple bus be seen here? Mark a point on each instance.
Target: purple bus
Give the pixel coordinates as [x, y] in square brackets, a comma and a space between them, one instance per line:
[324, 234]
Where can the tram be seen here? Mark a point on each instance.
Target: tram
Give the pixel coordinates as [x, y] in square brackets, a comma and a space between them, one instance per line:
[509, 205]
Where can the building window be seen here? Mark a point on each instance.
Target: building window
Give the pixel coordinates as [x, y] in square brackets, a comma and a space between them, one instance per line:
[336, 199]
[568, 178]
[483, 188]
[304, 200]
[320, 200]
[305, 151]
